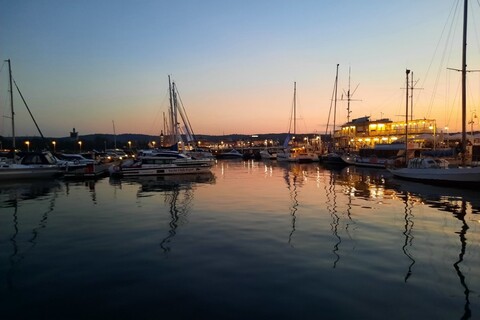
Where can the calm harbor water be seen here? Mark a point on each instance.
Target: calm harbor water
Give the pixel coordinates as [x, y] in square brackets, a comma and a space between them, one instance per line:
[252, 240]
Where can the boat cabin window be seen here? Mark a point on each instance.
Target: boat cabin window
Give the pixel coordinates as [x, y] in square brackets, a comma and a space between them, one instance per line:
[156, 161]
[50, 158]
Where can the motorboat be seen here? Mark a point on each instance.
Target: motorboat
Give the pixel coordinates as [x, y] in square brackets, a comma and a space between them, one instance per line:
[72, 161]
[379, 156]
[200, 154]
[164, 153]
[159, 165]
[437, 170]
[266, 154]
[31, 165]
[332, 159]
[232, 154]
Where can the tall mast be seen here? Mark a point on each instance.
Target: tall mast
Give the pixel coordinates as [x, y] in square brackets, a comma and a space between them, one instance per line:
[407, 72]
[171, 112]
[411, 101]
[11, 104]
[175, 113]
[464, 81]
[294, 108]
[114, 136]
[348, 95]
[335, 107]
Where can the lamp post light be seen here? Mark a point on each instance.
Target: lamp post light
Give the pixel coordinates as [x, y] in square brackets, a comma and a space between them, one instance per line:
[54, 143]
[153, 144]
[472, 122]
[130, 145]
[80, 146]
[28, 145]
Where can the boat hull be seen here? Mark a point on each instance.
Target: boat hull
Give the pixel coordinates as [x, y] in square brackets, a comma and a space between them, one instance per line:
[469, 175]
[332, 159]
[134, 172]
[368, 162]
[29, 173]
[87, 172]
[154, 166]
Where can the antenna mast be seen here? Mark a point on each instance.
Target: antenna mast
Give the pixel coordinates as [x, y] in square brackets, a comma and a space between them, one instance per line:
[114, 135]
[349, 96]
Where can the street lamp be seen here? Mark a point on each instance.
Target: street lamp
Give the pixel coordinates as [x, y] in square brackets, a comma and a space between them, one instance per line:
[472, 122]
[153, 144]
[54, 143]
[80, 146]
[130, 145]
[28, 145]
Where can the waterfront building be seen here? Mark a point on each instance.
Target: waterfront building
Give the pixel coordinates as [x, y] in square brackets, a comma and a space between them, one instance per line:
[364, 133]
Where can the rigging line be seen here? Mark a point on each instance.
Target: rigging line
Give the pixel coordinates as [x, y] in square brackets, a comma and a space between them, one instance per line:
[471, 97]
[299, 115]
[155, 119]
[454, 102]
[452, 13]
[331, 105]
[291, 115]
[4, 116]
[475, 27]
[187, 120]
[31, 115]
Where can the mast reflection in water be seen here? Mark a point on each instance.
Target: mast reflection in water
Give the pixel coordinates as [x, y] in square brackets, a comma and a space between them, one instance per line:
[251, 240]
[178, 195]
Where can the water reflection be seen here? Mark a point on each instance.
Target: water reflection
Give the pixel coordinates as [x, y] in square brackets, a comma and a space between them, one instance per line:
[88, 183]
[463, 241]
[12, 196]
[12, 193]
[409, 223]
[458, 202]
[292, 179]
[331, 205]
[149, 185]
[366, 183]
[178, 195]
[378, 184]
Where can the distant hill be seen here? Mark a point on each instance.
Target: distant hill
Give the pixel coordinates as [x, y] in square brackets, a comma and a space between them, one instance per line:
[98, 141]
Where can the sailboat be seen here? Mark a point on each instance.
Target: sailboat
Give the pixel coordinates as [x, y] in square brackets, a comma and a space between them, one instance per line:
[292, 153]
[435, 170]
[333, 158]
[29, 165]
[162, 162]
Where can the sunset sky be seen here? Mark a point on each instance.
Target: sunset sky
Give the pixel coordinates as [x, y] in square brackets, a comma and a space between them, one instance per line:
[84, 64]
